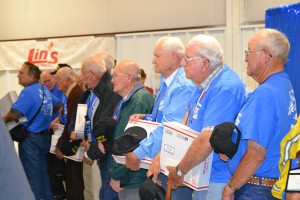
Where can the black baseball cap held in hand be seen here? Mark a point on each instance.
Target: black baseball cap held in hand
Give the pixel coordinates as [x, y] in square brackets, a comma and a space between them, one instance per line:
[69, 148]
[151, 191]
[221, 139]
[129, 141]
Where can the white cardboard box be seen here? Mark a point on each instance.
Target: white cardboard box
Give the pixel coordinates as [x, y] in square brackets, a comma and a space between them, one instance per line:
[148, 126]
[176, 140]
[79, 154]
[80, 121]
[5, 105]
[6, 102]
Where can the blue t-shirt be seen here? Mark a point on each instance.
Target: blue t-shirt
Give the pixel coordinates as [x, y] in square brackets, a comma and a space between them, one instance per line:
[60, 95]
[220, 103]
[64, 112]
[266, 118]
[28, 103]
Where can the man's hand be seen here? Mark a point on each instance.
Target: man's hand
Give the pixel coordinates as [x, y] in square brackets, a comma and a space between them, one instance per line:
[292, 196]
[85, 144]
[223, 157]
[58, 153]
[228, 193]
[101, 147]
[136, 117]
[155, 169]
[54, 124]
[176, 181]
[132, 161]
[73, 136]
[115, 185]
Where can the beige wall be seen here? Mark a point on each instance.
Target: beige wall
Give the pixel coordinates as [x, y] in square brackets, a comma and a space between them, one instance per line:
[38, 19]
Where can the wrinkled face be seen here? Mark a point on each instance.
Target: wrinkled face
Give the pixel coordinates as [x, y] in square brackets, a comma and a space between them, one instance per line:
[120, 80]
[194, 65]
[254, 58]
[88, 78]
[62, 82]
[162, 59]
[25, 78]
[48, 80]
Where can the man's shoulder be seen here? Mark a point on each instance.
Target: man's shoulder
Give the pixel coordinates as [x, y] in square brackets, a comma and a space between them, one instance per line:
[180, 79]
[77, 91]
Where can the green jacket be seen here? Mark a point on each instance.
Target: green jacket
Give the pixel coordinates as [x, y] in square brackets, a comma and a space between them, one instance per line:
[141, 101]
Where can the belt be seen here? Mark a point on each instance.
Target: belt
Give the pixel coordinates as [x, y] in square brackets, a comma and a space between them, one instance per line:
[44, 132]
[267, 182]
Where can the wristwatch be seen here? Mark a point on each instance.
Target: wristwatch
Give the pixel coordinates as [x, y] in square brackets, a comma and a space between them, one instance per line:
[178, 172]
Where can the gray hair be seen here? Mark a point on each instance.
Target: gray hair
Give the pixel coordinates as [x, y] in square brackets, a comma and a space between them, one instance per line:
[275, 41]
[209, 48]
[68, 73]
[132, 67]
[172, 44]
[95, 64]
[108, 59]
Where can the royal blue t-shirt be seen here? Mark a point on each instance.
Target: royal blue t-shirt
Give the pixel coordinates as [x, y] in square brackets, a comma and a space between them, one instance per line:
[266, 118]
[28, 103]
[60, 95]
[220, 103]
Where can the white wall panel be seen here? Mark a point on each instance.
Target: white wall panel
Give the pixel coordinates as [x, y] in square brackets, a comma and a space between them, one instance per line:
[143, 44]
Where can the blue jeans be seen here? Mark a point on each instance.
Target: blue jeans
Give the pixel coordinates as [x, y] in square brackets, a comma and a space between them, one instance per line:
[214, 192]
[257, 192]
[182, 193]
[106, 192]
[33, 152]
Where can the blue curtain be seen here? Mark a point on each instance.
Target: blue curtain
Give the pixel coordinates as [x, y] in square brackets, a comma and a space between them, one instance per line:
[286, 19]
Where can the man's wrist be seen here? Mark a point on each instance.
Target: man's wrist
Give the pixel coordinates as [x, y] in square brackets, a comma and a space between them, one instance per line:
[232, 187]
[179, 172]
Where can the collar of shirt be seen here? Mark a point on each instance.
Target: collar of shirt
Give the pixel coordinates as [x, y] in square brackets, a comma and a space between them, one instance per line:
[169, 80]
[70, 89]
[205, 84]
[138, 86]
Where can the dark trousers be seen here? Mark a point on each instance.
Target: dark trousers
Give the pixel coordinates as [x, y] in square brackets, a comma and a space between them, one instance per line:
[57, 170]
[74, 180]
[33, 154]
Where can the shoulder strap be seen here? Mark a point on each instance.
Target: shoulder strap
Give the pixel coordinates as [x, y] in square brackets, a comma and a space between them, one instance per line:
[37, 112]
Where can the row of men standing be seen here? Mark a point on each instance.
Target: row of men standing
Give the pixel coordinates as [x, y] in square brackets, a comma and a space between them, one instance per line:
[213, 94]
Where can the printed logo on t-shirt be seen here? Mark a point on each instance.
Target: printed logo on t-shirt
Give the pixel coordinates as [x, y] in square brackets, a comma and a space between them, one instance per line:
[292, 104]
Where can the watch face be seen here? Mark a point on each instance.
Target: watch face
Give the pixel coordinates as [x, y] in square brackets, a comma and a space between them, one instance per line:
[179, 173]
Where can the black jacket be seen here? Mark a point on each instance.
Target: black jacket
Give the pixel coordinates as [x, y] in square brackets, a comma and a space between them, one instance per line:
[103, 122]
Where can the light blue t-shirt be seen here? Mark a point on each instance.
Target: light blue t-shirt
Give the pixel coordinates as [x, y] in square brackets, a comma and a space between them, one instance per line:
[266, 118]
[175, 101]
[28, 103]
[220, 103]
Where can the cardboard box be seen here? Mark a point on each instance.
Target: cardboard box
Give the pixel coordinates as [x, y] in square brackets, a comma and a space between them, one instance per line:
[80, 121]
[148, 126]
[54, 138]
[6, 102]
[5, 105]
[176, 140]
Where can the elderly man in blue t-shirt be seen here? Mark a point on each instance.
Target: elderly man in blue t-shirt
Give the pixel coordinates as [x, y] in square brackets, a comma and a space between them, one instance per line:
[219, 97]
[264, 119]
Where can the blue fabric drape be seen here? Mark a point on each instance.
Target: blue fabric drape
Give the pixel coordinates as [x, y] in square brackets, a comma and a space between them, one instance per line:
[286, 19]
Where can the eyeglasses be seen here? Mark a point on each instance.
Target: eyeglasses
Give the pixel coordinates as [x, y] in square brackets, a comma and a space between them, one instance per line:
[247, 52]
[116, 75]
[195, 58]
[58, 78]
